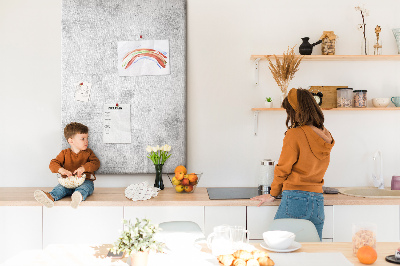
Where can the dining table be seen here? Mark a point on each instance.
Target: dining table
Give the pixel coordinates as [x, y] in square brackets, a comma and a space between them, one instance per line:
[87, 255]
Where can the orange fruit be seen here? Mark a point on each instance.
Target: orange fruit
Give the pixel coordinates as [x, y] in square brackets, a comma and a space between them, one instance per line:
[367, 255]
[181, 168]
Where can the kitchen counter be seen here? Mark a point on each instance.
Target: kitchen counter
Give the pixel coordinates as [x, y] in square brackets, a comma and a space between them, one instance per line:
[23, 196]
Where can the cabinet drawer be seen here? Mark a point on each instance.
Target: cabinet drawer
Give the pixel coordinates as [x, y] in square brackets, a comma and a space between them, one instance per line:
[85, 225]
[386, 217]
[20, 229]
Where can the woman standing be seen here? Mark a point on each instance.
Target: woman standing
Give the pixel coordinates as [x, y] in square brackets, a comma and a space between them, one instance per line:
[305, 156]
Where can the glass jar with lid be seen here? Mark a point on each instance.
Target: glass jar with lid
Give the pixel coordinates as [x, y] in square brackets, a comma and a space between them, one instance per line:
[344, 97]
[266, 176]
[360, 98]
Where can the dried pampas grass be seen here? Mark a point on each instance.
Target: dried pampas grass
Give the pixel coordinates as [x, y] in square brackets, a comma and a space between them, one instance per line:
[283, 71]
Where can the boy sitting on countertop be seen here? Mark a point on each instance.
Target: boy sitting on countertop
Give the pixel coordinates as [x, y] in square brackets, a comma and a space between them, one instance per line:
[75, 160]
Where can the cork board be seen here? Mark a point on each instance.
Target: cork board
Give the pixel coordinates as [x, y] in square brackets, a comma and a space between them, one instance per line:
[91, 31]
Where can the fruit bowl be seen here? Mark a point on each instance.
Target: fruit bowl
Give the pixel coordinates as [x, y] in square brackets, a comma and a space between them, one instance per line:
[72, 181]
[185, 184]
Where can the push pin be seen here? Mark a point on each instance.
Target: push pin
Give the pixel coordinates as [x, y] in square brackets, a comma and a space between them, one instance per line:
[116, 105]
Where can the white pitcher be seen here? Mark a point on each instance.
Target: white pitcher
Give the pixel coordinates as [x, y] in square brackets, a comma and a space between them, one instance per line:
[220, 241]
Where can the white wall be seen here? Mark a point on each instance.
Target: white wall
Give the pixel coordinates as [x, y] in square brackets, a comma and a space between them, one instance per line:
[222, 35]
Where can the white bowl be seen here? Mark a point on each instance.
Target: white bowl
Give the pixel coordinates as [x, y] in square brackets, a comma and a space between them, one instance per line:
[279, 240]
[380, 102]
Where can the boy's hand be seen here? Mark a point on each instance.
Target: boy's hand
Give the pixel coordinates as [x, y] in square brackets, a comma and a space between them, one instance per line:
[263, 198]
[79, 171]
[63, 171]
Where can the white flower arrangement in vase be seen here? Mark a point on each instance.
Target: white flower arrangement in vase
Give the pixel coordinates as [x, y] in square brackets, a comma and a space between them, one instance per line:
[137, 240]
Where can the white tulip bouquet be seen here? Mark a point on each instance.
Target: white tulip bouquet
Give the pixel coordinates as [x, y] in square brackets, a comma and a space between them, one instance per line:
[158, 155]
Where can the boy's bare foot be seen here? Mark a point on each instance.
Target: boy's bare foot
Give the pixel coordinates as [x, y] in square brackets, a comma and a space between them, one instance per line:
[76, 199]
[44, 198]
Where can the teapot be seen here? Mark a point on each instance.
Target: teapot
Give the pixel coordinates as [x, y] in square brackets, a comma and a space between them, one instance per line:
[306, 48]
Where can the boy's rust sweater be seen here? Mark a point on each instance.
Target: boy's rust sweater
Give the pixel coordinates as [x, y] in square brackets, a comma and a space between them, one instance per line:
[71, 161]
[303, 161]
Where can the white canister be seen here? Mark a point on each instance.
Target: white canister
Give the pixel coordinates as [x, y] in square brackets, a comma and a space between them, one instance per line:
[266, 176]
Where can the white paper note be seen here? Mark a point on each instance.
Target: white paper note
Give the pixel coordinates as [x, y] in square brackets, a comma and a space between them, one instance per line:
[117, 123]
[82, 91]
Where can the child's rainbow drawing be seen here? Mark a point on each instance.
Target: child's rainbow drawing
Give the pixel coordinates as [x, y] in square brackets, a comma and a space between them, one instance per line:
[150, 54]
[145, 57]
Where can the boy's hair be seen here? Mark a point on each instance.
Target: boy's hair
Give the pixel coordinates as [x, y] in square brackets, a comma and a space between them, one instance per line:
[74, 128]
[309, 113]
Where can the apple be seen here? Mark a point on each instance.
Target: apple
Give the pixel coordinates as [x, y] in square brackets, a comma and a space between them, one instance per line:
[179, 188]
[185, 182]
[189, 188]
[193, 183]
[175, 181]
[193, 178]
[179, 175]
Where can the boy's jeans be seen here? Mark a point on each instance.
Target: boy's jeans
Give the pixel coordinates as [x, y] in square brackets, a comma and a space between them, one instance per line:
[86, 189]
[306, 205]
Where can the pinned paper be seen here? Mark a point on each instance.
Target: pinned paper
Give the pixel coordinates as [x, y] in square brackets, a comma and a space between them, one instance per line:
[144, 57]
[82, 92]
[117, 123]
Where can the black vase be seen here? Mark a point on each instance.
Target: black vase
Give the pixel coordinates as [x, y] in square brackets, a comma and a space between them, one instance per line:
[306, 48]
[159, 181]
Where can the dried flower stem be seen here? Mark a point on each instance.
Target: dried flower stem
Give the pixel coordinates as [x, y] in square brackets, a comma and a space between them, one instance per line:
[283, 72]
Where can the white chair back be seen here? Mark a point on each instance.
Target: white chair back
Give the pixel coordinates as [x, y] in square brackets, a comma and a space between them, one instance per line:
[304, 230]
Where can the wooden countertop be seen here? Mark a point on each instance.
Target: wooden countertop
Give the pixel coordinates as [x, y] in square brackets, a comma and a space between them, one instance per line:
[23, 196]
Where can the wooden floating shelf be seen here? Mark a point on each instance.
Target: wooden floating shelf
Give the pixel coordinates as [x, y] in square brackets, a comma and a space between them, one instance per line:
[334, 109]
[336, 57]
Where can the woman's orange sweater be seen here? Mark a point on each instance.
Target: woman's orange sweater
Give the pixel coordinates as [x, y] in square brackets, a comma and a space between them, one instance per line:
[303, 161]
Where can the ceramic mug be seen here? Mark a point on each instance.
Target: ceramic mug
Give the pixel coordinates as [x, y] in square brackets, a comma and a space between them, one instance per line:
[396, 101]
[395, 184]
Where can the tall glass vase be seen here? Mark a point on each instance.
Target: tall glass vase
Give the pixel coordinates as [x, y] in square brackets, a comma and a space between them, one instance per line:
[364, 46]
[284, 93]
[396, 33]
[159, 181]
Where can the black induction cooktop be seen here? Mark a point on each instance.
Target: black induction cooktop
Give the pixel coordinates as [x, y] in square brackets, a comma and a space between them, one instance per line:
[225, 193]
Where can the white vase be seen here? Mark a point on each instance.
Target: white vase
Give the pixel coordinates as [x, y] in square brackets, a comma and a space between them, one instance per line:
[268, 104]
[139, 258]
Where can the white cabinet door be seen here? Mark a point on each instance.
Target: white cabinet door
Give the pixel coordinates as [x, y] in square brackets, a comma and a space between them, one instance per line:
[259, 219]
[386, 217]
[20, 229]
[327, 232]
[85, 225]
[159, 214]
[218, 215]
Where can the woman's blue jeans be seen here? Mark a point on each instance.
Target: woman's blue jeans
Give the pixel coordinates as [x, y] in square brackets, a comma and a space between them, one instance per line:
[86, 189]
[306, 205]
